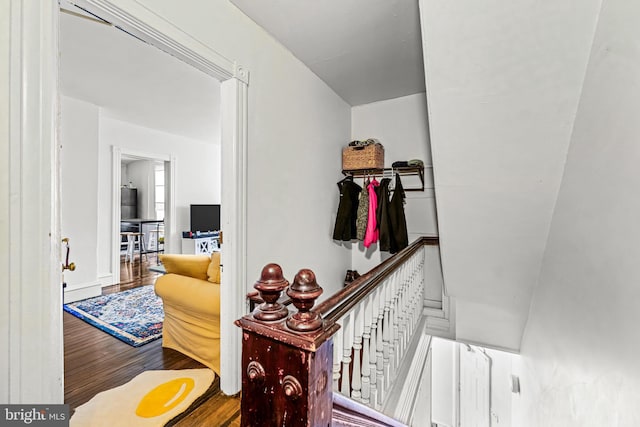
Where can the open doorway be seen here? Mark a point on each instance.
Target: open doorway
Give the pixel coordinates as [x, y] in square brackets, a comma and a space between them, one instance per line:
[124, 98]
[32, 45]
[146, 206]
[104, 136]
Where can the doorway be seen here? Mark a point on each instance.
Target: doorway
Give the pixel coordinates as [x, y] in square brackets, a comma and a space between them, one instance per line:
[146, 206]
[234, 138]
[112, 141]
[32, 99]
[475, 386]
[153, 222]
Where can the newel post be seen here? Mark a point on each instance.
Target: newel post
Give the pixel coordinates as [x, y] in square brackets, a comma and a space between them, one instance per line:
[286, 359]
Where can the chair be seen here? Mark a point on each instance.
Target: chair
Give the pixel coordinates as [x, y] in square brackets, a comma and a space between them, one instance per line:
[156, 237]
[156, 241]
[135, 240]
[190, 292]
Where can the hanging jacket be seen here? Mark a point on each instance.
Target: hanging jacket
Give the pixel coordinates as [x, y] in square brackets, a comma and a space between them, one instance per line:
[371, 234]
[397, 219]
[363, 209]
[345, 227]
[382, 215]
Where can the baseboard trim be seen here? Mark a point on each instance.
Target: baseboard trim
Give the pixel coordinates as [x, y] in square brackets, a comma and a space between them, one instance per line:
[433, 304]
[441, 323]
[106, 280]
[401, 402]
[82, 291]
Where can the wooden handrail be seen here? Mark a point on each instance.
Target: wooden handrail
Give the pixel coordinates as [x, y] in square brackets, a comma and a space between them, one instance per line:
[344, 300]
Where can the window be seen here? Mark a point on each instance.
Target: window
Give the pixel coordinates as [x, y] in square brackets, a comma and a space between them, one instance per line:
[159, 184]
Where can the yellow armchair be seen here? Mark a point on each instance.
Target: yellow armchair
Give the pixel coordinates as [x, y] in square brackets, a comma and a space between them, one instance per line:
[190, 293]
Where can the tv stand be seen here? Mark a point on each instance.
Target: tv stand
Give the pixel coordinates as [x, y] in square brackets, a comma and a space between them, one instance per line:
[202, 244]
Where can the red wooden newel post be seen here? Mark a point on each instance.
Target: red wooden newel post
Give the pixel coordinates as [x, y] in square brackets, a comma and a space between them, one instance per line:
[270, 287]
[304, 292]
[286, 362]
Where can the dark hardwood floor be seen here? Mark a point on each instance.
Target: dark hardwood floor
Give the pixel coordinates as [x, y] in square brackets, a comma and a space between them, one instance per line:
[94, 361]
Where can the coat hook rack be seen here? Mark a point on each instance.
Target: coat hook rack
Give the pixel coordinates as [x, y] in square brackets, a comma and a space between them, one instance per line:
[403, 171]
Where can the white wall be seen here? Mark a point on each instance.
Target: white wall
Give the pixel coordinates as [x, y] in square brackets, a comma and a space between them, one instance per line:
[297, 126]
[197, 175]
[401, 125]
[79, 182]
[504, 81]
[581, 347]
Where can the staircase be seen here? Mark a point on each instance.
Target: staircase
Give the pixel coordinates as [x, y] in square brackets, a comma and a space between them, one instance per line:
[358, 358]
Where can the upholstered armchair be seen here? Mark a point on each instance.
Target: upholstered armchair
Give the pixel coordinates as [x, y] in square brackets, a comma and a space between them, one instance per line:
[190, 292]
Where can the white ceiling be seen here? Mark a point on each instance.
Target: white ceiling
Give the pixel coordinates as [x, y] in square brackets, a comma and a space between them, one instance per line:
[365, 50]
[135, 82]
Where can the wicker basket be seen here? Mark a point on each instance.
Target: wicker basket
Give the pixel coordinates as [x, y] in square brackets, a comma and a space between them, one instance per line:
[367, 157]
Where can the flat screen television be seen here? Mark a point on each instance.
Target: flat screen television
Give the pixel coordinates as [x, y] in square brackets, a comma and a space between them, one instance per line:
[205, 218]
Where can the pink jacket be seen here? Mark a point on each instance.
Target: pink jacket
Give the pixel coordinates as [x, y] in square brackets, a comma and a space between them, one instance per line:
[371, 235]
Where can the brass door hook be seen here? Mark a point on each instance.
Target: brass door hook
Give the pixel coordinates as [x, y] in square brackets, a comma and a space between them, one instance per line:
[66, 265]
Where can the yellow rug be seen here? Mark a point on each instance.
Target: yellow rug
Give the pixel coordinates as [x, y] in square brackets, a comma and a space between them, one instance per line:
[151, 399]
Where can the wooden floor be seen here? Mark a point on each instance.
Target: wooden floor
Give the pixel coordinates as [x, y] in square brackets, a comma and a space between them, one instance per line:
[94, 361]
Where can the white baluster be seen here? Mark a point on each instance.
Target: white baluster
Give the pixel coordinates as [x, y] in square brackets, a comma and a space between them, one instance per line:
[402, 316]
[413, 307]
[366, 336]
[373, 338]
[420, 282]
[407, 308]
[419, 287]
[358, 327]
[395, 351]
[373, 351]
[379, 349]
[395, 341]
[419, 290]
[345, 386]
[386, 335]
[337, 357]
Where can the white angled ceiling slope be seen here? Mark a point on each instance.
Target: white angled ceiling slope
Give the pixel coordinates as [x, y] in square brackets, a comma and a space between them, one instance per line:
[135, 82]
[505, 81]
[365, 50]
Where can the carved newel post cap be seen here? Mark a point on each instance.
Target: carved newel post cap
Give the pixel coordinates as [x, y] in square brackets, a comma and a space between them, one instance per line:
[270, 286]
[304, 291]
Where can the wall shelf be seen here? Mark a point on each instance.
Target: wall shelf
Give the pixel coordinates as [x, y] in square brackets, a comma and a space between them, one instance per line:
[386, 172]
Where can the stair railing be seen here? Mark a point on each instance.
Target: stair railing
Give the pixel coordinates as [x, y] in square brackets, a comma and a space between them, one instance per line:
[352, 343]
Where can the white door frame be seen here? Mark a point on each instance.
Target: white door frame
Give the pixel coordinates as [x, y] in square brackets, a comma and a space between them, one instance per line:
[31, 359]
[155, 30]
[171, 239]
[31, 295]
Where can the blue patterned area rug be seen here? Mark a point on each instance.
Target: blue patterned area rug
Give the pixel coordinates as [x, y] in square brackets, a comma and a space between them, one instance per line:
[134, 316]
